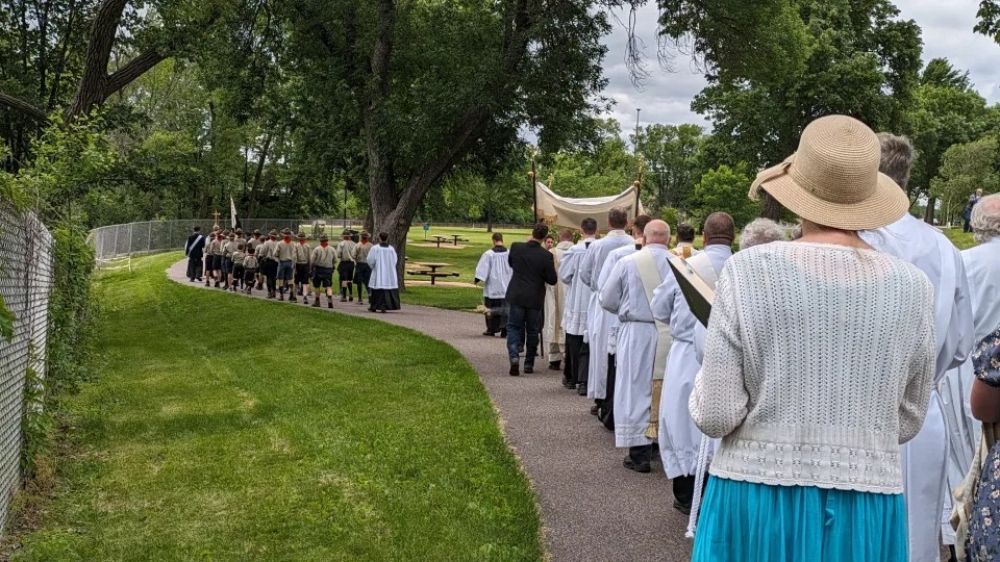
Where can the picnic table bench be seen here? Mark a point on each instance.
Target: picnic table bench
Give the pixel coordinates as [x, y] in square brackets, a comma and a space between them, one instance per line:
[430, 269]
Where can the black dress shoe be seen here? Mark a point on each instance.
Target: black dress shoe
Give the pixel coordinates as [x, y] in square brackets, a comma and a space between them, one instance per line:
[528, 369]
[491, 334]
[685, 509]
[513, 370]
[630, 464]
[555, 365]
[593, 410]
[581, 389]
[569, 385]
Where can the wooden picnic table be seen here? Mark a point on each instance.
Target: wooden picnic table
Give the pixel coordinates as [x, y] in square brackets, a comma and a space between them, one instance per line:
[456, 237]
[438, 238]
[433, 267]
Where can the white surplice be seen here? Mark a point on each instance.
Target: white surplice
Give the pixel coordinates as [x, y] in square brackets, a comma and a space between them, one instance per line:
[982, 269]
[624, 295]
[597, 318]
[382, 260]
[924, 458]
[494, 271]
[600, 385]
[574, 320]
[680, 438]
[555, 298]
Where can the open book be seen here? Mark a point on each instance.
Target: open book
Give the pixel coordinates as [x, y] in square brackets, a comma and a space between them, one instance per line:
[697, 293]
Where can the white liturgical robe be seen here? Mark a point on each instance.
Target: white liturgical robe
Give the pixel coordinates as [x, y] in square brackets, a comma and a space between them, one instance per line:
[625, 296]
[574, 320]
[600, 385]
[382, 260]
[494, 271]
[597, 318]
[555, 299]
[680, 438]
[923, 458]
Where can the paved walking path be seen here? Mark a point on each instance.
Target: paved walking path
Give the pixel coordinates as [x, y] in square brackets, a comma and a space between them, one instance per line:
[592, 508]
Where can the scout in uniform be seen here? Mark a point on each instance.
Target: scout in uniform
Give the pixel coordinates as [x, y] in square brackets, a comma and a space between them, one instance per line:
[285, 253]
[215, 249]
[345, 270]
[322, 260]
[250, 268]
[268, 262]
[362, 271]
[239, 254]
[228, 246]
[302, 254]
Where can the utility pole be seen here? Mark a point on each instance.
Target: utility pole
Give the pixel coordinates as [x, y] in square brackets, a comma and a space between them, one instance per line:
[635, 146]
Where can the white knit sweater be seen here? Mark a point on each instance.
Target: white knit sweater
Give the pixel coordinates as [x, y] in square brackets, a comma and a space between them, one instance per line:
[818, 364]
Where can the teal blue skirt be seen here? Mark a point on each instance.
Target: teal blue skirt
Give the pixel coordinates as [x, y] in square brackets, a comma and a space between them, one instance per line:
[743, 521]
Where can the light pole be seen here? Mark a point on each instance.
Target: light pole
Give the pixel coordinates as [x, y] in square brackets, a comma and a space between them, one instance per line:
[635, 147]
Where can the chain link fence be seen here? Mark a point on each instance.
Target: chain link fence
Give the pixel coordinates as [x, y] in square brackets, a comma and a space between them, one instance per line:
[26, 280]
[116, 244]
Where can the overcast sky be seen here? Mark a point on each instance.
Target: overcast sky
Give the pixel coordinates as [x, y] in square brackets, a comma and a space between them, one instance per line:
[666, 96]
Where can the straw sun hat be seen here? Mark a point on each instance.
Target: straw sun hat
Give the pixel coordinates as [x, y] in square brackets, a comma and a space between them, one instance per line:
[833, 178]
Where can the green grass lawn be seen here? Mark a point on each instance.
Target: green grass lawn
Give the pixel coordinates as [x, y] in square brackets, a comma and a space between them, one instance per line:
[462, 260]
[224, 428]
[962, 240]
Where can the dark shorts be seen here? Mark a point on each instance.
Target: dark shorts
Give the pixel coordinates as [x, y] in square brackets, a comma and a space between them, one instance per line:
[268, 267]
[238, 271]
[346, 271]
[323, 277]
[249, 276]
[285, 269]
[362, 273]
[227, 264]
[216, 263]
[302, 273]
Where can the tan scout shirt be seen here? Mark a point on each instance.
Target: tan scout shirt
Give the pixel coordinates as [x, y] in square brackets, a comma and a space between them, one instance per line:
[361, 252]
[265, 250]
[345, 250]
[302, 253]
[285, 251]
[323, 257]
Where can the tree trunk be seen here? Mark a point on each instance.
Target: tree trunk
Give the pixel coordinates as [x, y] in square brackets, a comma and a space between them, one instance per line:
[258, 173]
[63, 51]
[93, 84]
[771, 209]
[929, 212]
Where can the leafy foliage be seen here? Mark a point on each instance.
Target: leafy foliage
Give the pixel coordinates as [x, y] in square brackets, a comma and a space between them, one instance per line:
[965, 168]
[725, 189]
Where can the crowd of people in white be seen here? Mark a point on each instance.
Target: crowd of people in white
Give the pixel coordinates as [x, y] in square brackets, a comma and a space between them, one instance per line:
[844, 391]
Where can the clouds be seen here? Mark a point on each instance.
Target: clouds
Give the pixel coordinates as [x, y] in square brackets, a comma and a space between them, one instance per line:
[666, 96]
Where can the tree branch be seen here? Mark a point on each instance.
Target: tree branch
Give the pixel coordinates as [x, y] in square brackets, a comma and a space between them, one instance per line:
[23, 107]
[92, 87]
[132, 70]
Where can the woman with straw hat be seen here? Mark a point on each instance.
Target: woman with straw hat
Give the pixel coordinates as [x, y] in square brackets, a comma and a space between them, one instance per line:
[807, 377]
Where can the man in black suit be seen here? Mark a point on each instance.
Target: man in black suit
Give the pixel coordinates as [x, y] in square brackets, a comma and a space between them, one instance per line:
[533, 268]
[195, 252]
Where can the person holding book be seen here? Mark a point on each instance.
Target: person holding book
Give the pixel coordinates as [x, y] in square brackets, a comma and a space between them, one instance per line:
[679, 436]
[808, 377]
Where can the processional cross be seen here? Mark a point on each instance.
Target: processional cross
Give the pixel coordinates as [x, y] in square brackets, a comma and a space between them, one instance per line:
[216, 215]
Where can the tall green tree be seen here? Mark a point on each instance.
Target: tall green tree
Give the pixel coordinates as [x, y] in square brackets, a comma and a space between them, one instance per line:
[946, 111]
[433, 84]
[965, 168]
[674, 163]
[839, 56]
